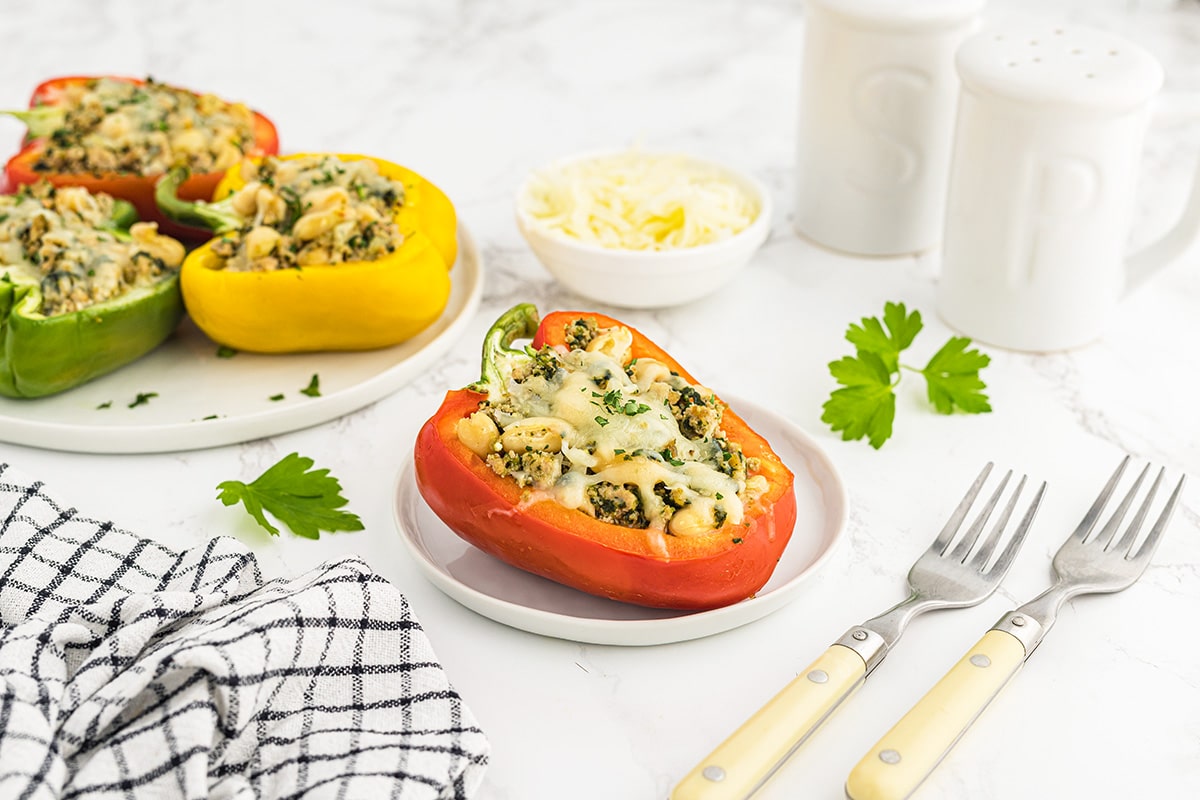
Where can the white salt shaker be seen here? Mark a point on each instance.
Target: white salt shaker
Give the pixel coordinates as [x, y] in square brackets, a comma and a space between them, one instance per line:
[877, 98]
[1041, 196]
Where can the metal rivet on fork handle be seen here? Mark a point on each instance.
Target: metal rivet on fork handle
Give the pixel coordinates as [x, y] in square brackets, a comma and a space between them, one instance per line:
[980, 660]
[859, 635]
[714, 774]
[889, 756]
[818, 676]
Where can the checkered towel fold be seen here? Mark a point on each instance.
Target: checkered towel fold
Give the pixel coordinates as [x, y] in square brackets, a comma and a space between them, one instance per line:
[129, 670]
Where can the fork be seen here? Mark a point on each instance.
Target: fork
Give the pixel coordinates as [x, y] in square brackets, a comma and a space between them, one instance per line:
[1085, 564]
[943, 577]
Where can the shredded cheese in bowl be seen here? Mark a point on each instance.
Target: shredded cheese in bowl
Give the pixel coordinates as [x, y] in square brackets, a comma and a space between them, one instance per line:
[636, 200]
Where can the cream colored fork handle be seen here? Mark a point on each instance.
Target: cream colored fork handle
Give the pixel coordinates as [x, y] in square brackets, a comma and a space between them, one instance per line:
[754, 751]
[904, 757]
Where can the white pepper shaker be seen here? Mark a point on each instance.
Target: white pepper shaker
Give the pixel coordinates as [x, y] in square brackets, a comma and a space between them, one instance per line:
[1042, 186]
[877, 102]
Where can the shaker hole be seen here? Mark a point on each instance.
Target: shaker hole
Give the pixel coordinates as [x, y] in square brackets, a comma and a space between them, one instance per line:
[1076, 52]
[1112, 52]
[1090, 75]
[1037, 61]
[1012, 63]
[1058, 31]
[1033, 42]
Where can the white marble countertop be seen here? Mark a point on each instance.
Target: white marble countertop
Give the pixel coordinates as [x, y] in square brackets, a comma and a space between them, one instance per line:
[473, 95]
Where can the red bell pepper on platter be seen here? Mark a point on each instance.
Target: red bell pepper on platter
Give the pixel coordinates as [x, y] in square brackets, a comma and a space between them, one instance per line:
[646, 565]
[23, 168]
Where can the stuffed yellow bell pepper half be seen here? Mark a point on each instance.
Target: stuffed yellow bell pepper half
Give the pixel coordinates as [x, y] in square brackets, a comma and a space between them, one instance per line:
[316, 252]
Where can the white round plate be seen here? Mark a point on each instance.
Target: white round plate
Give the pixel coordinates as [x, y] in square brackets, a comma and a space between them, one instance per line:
[202, 400]
[523, 600]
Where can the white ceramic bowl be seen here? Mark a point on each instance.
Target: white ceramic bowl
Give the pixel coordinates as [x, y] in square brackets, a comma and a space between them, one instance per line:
[642, 278]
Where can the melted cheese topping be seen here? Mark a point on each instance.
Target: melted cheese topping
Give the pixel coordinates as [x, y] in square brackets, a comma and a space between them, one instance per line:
[639, 201]
[585, 434]
[62, 240]
[113, 125]
[315, 210]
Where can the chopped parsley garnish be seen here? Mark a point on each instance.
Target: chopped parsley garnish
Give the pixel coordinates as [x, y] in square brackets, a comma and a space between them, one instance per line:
[601, 421]
[314, 387]
[614, 403]
[224, 351]
[670, 459]
[143, 398]
[276, 397]
[105, 404]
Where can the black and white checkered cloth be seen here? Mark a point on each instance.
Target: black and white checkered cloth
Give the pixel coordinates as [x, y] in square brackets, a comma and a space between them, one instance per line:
[128, 670]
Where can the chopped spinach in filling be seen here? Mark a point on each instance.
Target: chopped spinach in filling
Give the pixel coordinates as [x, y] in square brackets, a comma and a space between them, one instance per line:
[62, 239]
[110, 125]
[314, 210]
[624, 440]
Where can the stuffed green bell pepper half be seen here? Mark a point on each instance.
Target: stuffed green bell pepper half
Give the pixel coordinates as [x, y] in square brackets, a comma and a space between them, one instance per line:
[84, 288]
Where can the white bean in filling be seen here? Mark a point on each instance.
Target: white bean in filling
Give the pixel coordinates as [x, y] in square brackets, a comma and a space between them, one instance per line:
[625, 441]
[314, 210]
[113, 125]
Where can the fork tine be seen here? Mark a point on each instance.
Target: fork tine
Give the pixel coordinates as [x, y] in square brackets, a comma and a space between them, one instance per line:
[1151, 544]
[981, 557]
[1125, 545]
[1089, 519]
[942, 542]
[1000, 568]
[963, 548]
[1105, 536]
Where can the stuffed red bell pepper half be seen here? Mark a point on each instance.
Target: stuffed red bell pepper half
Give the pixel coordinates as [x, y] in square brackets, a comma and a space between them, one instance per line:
[591, 458]
[118, 135]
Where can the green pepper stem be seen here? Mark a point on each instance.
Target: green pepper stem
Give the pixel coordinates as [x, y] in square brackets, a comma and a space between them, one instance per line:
[123, 215]
[519, 322]
[41, 120]
[217, 217]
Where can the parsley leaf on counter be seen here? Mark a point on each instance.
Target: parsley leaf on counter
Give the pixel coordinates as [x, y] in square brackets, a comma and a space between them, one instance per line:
[224, 351]
[953, 378]
[865, 405]
[306, 500]
[142, 399]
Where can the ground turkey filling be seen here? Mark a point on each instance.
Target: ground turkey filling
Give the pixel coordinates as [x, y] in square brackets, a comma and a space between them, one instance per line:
[62, 239]
[624, 440]
[313, 210]
[110, 125]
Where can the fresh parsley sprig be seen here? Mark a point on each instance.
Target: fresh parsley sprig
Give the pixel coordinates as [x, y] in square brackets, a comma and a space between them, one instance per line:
[865, 405]
[306, 500]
